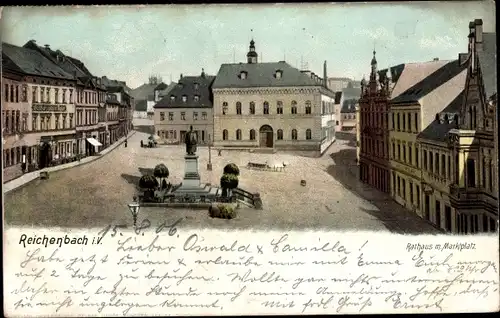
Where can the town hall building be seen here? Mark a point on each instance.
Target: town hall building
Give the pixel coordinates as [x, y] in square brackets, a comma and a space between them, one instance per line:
[272, 106]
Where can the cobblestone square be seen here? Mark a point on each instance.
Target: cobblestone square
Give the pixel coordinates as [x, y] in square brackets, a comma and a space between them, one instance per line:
[97, 194]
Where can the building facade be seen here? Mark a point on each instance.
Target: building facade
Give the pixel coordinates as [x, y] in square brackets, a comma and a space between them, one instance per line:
[418, 167]
[272, 105]
[474, 191]
[374, 129]
[188, 103]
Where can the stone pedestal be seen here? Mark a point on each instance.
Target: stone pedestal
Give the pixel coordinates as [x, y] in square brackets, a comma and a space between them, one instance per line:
[191, 175]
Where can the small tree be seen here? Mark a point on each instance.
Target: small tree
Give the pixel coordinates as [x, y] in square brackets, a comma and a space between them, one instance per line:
[232, 168]
[228, 182]
[149, 183]
[161, 172]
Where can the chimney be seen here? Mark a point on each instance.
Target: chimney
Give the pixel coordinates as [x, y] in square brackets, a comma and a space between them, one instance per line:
[202, 73]
[436, 59]
[308, 73]
[325, 76]
[47, 46]
[478, 30]
[313, 76]
[181, 75]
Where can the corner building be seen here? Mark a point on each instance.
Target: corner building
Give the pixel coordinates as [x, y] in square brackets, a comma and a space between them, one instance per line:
[273, 106]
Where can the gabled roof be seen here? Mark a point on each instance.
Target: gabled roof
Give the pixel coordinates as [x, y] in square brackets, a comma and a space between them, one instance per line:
[261, 75]
[108, 83]
[186, 87]
[418, 80]
[145, 91]
[33, 62]
[488, 63]
[412, 73]
[438, 129]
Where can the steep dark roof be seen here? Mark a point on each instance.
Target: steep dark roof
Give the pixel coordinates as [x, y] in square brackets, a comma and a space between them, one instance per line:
[67, 63]
[351, 92]
[108, 83]
[429, 83]
[161, 86]
[438, 129]
[488, 63]
[9, 65]
[145, 91]
[349, 105]
[261, 75]
[33, 62]
[186, 87]
[114, 89]
[338, 97]
[141, 106]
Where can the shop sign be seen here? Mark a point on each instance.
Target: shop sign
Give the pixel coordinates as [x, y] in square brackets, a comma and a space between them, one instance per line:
[48, 108]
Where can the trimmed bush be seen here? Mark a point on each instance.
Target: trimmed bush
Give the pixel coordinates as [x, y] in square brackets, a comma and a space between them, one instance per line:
[232, 168]
[222, 211]
[228, 182]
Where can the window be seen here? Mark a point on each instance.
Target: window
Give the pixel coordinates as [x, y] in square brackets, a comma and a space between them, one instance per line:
[34, 97]
[278, 74]
[484, 173]
[410, 161]
[294, 134]
[6, 92]
[399, 152]
[404, 153]
[42, 94]
[431, 161]
[425, 159]
[418, 196]
[243, 75]
[409, 122]
[238, 134]
[416, 158]
[436, 161]
[162, 116]
[410, 186]
[280, 134]
[34, 123]
[448, 168]
[252, 108]
[195, 115]
[490, 183]
[266, 108]
[308, 134]
[238, 108]
[64, 122]
[70, 120]
[224, 134]
[204, 115]
[56, 95]
[224, 108]
[308, 107]
[404, 121]
[393, 121]
[393, 150]
[47, 91]
[416, 122]
[471, 172]
[443, 165]
[184, 98]
[196, 98]
[294, 107]
[170, 116]
[172, 98]
[196, 85]
[252, 134]
[438, 213]
[279, 107]
[57, 121]
[183, 115]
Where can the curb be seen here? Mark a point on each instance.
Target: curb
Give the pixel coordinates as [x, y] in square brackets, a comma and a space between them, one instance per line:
[65, 168]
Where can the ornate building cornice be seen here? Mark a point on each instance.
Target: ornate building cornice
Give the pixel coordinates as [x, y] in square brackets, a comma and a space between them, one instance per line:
[267, 91]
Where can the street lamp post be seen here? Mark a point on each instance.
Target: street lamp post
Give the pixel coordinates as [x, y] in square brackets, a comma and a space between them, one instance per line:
[134, 209]
[209, 164]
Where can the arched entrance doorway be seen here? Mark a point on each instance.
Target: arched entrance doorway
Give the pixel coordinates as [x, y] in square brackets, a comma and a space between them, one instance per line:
[266, 136]
[45, 155]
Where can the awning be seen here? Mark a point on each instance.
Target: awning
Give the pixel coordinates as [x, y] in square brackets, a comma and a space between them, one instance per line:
[94, 142]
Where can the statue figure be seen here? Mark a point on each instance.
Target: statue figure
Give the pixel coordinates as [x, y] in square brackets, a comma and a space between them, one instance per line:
[191, 141]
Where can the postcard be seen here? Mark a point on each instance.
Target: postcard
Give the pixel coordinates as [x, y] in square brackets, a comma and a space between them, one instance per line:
[244, 159]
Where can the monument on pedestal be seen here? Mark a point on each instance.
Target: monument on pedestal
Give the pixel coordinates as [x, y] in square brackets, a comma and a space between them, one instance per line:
[191, 187]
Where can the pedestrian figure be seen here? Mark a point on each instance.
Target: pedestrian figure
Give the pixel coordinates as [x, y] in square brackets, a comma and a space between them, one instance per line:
[23, 167]
[125, 143]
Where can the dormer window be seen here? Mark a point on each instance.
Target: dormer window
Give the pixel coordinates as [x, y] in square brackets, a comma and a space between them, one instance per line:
[184, 98]
[278, 74]
[196, 86]
[243, 75]
[196, 98]
[172, 98]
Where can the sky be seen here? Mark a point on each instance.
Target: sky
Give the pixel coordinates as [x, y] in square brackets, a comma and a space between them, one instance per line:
[130, 43]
